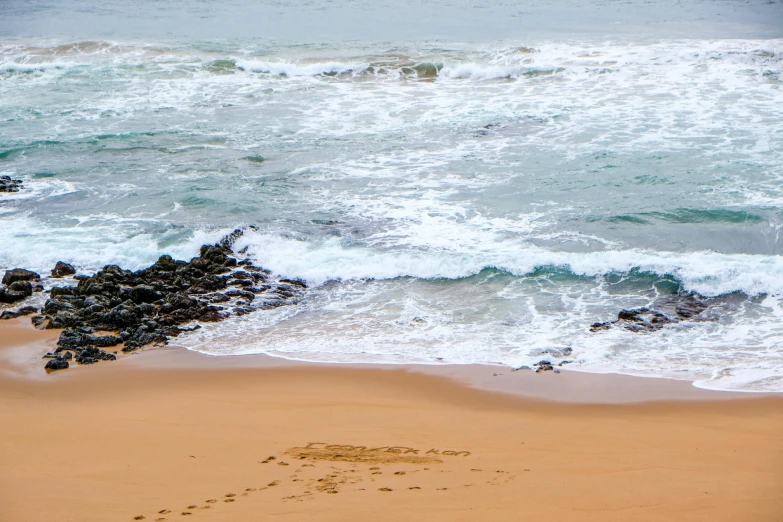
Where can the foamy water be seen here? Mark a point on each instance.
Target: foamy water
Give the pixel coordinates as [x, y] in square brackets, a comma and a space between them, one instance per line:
[448, 201]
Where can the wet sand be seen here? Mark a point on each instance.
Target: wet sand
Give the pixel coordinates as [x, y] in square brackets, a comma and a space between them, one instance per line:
[170, 434]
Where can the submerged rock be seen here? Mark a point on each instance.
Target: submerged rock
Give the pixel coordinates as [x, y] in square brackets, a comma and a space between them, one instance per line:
[7, 184]
[645, 320]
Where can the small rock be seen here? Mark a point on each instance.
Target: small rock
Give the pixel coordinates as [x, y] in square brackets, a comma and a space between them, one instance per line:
[62, 269]
[56, 364]
[7, 184]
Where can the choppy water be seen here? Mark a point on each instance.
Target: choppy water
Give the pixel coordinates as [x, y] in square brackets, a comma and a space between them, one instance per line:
[466, 184]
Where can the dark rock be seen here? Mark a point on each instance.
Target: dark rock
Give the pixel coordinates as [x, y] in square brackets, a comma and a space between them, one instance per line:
[22, 287]
[227, 243]
[166, 264]
[18, 291]
[57, 291]
[597, 327]
[295, 282]
[544, 366]
[19, 274]
[144, 294]
[63, 269]
[57, 364]
[12, 314]
[239, 293]
[220, 298]
[7, 184]
[91, 355]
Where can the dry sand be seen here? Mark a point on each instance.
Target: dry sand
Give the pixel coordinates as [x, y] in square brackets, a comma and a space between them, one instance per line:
[172, 435]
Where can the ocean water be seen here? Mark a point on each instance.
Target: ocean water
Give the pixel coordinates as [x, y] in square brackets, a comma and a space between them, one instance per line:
[458, 182]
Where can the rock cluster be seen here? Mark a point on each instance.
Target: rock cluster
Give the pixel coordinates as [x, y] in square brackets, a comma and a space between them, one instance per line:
[10, 185]
[150, 305]
[645, 319]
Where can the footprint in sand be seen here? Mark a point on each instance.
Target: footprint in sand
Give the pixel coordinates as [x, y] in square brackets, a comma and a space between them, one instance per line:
[414, 487]
[192, 507]
[164, 512]
[229, 495]
[186, 513]
[210, 501]
[385, 489]
[273, 483]
[140, 517]
[229, 500]
[399, 473]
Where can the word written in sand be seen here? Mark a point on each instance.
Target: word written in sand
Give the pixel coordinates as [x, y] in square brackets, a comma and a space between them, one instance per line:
[383, 454]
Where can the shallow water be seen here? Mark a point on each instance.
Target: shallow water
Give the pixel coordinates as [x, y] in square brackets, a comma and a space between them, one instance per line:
[455, 188]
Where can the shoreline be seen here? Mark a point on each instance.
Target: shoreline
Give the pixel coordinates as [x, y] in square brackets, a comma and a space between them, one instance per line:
[164, 433]
[569, 386]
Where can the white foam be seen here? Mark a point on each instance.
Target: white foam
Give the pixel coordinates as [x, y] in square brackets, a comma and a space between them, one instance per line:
[318, 261]
[94, 241]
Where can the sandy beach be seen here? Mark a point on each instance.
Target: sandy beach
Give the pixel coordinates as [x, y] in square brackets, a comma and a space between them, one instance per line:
[167, 434]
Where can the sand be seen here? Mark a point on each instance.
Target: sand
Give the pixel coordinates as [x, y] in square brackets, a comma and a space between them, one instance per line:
[168, 434]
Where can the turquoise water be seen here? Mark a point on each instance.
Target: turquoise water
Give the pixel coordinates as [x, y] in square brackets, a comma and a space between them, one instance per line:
[455, 187]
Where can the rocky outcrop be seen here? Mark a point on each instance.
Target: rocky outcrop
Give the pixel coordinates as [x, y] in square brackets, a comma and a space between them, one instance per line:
[10, 185]
[150, 305]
